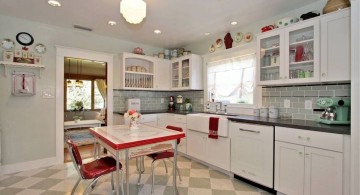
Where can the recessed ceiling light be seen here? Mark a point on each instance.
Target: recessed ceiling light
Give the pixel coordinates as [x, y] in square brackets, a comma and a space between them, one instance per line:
[54, 3]
[112, 23]
[157, 31]
[233, 23]
[207, 33]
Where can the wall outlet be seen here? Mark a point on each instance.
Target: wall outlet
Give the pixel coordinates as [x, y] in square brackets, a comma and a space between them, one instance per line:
[308, 104]
[162, 100]
[286, 103]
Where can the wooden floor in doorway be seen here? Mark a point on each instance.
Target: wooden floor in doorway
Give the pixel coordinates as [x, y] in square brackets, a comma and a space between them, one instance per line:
[86, 151]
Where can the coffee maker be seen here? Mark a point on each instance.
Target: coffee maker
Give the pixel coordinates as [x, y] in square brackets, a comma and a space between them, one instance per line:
[336, 111]
[171, 103]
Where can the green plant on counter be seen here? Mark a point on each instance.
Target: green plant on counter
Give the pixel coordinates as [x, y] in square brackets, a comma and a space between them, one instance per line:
[187, 100]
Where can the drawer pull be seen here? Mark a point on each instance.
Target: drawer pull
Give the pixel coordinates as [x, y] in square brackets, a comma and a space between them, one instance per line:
[307, 155]
[308, 138]
[300, 153]
[299, 137]
[249, 130]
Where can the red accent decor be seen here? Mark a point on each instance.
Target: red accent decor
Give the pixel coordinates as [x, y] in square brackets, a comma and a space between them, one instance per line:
[299, 53]
[25, 48]
[213, 127]
[23, 82]
[228, 41]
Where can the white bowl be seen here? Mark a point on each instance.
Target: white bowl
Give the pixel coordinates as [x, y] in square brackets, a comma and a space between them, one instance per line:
[286, 22]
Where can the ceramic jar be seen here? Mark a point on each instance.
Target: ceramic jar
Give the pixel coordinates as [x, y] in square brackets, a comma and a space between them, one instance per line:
[264, 112]
[273, 112]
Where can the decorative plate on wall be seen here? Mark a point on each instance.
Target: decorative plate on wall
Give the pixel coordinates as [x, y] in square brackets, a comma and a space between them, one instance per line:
[238, 37]
[248, 37]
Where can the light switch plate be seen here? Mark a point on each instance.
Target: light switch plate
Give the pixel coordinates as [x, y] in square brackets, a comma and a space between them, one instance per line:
[308, 104]
[286, 103]
[162, 100]
[201, 100]
[48, 93]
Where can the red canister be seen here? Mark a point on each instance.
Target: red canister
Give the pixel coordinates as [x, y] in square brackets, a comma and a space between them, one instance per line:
[299, 53]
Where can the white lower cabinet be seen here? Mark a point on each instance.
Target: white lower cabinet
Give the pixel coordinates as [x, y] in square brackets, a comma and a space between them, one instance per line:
[176, 120]
[213, 151]
[304, 170]
[252, 152]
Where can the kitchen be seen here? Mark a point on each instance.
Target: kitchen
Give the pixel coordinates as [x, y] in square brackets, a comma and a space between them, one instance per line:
[13, 118]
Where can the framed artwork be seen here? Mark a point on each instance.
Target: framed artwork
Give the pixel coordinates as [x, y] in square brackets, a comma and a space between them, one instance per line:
[30, 55]
[37, 60]
[8, 56]
[24, 54]
[18, 53]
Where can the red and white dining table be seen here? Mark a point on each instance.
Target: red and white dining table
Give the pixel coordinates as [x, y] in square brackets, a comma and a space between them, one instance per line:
[120, 138]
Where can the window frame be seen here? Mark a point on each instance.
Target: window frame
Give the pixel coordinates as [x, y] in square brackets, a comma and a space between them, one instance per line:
[238, 51]
[87, 78]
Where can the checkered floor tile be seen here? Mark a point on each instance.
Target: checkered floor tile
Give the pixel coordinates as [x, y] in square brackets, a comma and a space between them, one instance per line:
[197, 179]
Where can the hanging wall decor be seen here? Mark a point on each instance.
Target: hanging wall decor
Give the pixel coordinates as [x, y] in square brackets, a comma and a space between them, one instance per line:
[23, 84]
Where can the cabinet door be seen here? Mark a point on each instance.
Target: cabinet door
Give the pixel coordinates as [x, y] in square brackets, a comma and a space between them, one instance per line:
[195, 145]
[289, 168]
[335, 46]
[252, 152]
[270, 57]
[218, 152]
[162, 120]
[175, 75]
[302, 52]
[162, 75]
[323, 172]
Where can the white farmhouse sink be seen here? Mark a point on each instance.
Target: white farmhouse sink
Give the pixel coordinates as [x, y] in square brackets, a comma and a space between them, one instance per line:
[200, 122]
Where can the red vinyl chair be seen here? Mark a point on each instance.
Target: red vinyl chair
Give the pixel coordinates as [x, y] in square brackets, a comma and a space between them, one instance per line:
[92, 170]
[162, 156]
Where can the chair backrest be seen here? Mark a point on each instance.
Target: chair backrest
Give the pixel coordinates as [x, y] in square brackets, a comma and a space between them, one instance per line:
[175, 129]
[74, 152]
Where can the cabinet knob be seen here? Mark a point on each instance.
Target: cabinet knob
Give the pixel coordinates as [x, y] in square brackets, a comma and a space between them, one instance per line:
[308, 138]
[300, 153]
[307, 155]
[323, 74]
[299, 137]
[285, 77]
[280, 77]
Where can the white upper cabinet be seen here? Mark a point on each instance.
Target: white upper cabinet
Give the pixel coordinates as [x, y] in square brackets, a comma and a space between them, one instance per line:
[335, 46]
[136, 71]
[186, 73]
[289, 55]
[162, 74]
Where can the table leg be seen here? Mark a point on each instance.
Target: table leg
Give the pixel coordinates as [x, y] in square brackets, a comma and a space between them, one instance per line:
[95, 152]
[174, 168]
[127, 170]
[117, 173]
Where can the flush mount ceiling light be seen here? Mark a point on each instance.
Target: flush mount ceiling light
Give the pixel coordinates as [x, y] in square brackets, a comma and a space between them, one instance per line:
[233, 23]
[207, 33]
[54, 3]
[112, 23]
[157, 31]
[134, 11]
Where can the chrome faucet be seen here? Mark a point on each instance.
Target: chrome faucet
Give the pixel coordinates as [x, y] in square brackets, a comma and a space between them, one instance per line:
[219, 108]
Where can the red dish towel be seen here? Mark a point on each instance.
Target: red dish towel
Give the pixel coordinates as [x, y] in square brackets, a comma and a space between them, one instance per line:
[213, 127]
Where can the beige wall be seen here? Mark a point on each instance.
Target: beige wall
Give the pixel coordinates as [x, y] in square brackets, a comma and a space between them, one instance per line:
[28, 123]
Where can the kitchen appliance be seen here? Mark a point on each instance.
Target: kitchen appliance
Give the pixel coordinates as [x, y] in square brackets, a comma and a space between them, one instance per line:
[264, 112]
[171, 103]
[336, 111]
[134, 104]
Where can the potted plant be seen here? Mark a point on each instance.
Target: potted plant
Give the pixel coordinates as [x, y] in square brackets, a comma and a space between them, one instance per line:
[188, 106]
[79, 105]
[77, 118]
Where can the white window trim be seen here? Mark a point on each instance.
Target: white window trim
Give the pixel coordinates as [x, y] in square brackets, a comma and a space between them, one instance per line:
[242, 50]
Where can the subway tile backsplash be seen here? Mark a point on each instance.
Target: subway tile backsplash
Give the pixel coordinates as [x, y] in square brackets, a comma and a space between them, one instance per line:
[275, 96]
[151, 100]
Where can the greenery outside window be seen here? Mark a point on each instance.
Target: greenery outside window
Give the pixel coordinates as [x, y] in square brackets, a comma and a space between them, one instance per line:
[89, 95]
[232, 80]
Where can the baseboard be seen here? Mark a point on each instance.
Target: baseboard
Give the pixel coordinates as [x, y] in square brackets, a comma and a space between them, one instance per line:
[24, 166]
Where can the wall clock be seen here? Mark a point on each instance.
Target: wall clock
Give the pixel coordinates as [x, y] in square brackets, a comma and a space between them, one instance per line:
[7, 44]
[40, 48]
[24, 38]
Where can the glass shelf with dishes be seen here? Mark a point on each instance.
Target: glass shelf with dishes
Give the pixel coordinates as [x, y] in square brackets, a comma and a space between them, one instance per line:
[289, 55]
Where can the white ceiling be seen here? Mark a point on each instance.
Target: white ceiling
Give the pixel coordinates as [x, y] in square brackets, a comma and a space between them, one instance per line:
[181, 21]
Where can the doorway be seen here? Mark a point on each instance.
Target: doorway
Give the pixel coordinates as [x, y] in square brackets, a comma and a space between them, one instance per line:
[85, 95]
[62, 54]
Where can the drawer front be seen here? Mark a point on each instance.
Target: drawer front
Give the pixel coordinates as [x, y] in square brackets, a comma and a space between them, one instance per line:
[179, 118]
[145, 118]
[329, 141]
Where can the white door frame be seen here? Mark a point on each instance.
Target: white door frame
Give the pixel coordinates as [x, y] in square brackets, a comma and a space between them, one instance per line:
[61, 53]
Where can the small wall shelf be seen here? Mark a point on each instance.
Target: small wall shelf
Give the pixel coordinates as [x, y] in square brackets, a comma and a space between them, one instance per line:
[20, 65]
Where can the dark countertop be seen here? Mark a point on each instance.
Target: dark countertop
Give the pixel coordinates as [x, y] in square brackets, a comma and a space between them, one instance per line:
[161, 111]
[293, 123]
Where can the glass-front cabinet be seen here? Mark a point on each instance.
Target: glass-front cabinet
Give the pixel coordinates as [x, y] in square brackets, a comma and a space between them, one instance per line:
[186, 72]
[289, 55]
